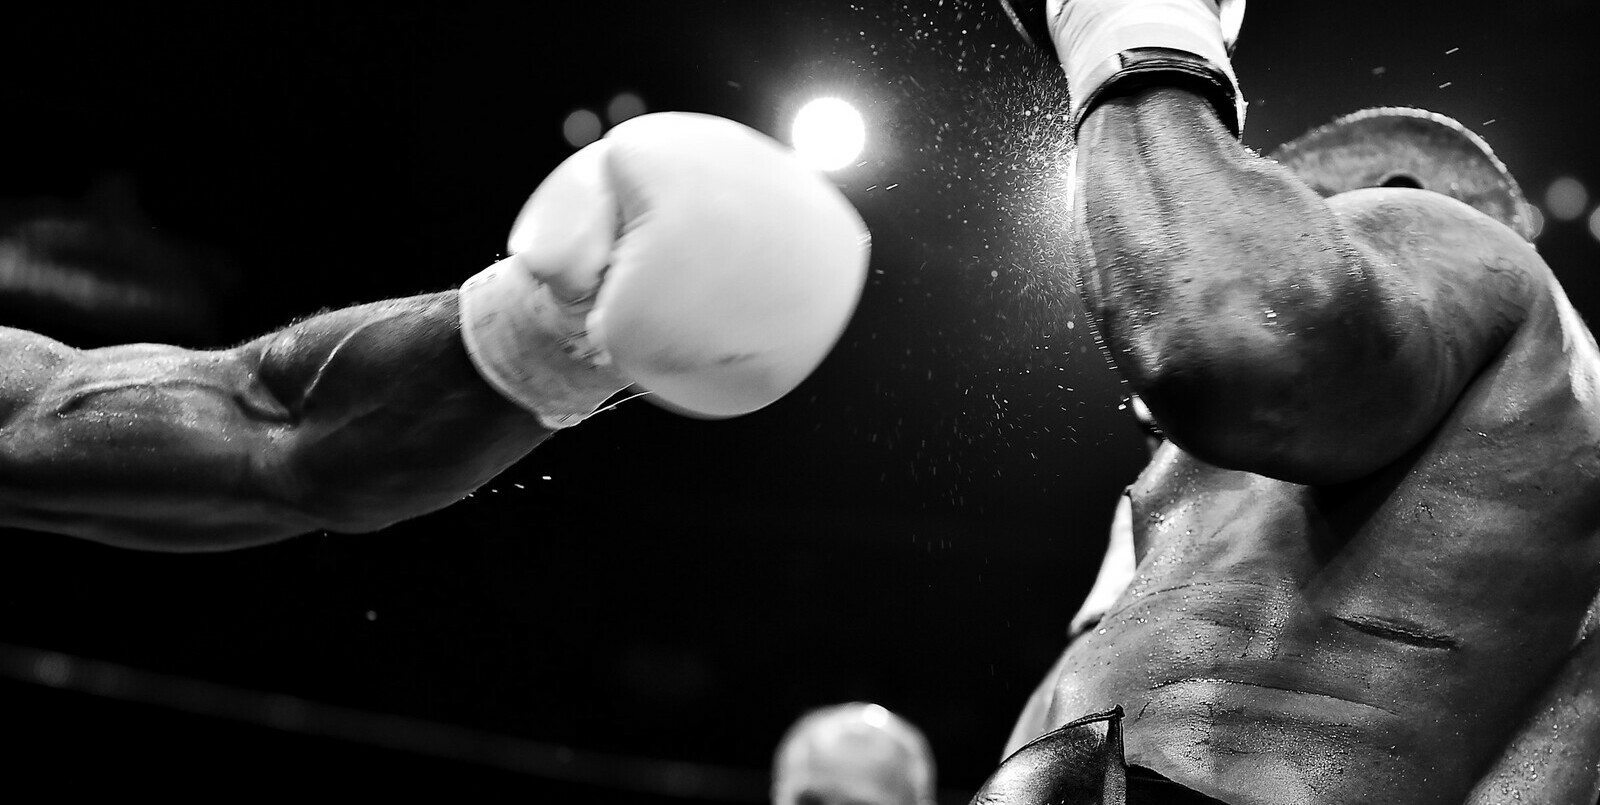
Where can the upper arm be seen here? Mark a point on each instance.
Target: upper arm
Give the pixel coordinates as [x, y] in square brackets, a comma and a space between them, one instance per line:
[142, 446]
[1268, 329]
[1433, 290]
[349, 421]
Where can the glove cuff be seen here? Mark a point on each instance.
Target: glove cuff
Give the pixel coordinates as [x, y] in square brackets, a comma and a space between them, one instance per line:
[1118, 44]
[531, 347]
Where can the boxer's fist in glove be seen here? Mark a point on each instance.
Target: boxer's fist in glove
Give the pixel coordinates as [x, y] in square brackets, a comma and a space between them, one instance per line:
[684, 253]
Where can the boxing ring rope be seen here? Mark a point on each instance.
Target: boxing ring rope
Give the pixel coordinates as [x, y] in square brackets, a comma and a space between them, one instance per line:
[291, 714]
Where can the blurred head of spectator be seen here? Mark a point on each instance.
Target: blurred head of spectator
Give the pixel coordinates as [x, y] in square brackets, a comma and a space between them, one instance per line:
[853, 754]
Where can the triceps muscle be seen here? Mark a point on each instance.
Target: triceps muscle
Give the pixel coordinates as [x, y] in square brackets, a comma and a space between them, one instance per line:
[145, 446]
[349, 421]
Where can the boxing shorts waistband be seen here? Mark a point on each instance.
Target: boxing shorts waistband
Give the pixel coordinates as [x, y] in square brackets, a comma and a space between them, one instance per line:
[1081, 763]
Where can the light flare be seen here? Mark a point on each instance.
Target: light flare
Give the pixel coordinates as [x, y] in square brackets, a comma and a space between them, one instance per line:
[829, 133]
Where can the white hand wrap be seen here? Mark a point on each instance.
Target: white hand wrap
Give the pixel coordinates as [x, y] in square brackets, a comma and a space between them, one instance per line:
[531, 347]
[1091, 36]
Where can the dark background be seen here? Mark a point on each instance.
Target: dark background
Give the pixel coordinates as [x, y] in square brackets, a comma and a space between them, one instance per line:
[913, 526]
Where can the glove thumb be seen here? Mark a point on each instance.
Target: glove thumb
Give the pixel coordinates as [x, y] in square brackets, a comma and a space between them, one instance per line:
[567, 229]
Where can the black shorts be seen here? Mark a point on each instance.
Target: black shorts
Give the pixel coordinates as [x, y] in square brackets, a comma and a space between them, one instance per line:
[1082, 764]
[1145, 787]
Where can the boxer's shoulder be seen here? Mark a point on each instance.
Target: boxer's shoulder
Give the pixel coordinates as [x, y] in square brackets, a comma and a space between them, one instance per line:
[1403, 221]
[1480, 273]
[1433, 236]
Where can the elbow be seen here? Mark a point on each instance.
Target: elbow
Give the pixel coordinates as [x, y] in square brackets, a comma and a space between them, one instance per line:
[343, 511]
[188, 535]
[1316, 395]
[291, 495]
[355, 505]
[1272, 419]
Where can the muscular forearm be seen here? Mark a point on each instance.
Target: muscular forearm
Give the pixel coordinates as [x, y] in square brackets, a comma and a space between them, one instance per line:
[389, 418]
[349, 421]
[1206, 274]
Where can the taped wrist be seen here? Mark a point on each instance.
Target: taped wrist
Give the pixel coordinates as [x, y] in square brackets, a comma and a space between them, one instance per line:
[1109, 47]
[531, 347]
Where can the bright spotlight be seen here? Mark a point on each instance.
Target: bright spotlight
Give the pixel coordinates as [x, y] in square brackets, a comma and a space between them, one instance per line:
[829, 133]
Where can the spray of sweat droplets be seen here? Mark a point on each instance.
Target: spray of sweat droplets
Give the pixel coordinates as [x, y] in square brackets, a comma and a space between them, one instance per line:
[973, 301]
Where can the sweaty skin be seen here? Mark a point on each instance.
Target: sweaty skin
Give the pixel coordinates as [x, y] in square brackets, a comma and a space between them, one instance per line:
[348, 421]
[1369, 557]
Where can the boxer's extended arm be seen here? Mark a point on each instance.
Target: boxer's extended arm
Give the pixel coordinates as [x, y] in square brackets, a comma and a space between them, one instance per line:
[349, 421]
[1270, 330]
[719, 302]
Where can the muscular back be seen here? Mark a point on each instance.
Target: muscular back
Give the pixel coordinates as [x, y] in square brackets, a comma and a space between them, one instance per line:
[1411, 635]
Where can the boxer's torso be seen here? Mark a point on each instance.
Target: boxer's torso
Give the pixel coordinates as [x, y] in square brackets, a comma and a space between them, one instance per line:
[1384, 640]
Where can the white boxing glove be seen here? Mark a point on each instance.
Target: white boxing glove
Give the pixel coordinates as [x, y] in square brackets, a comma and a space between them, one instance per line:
[684, 253]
